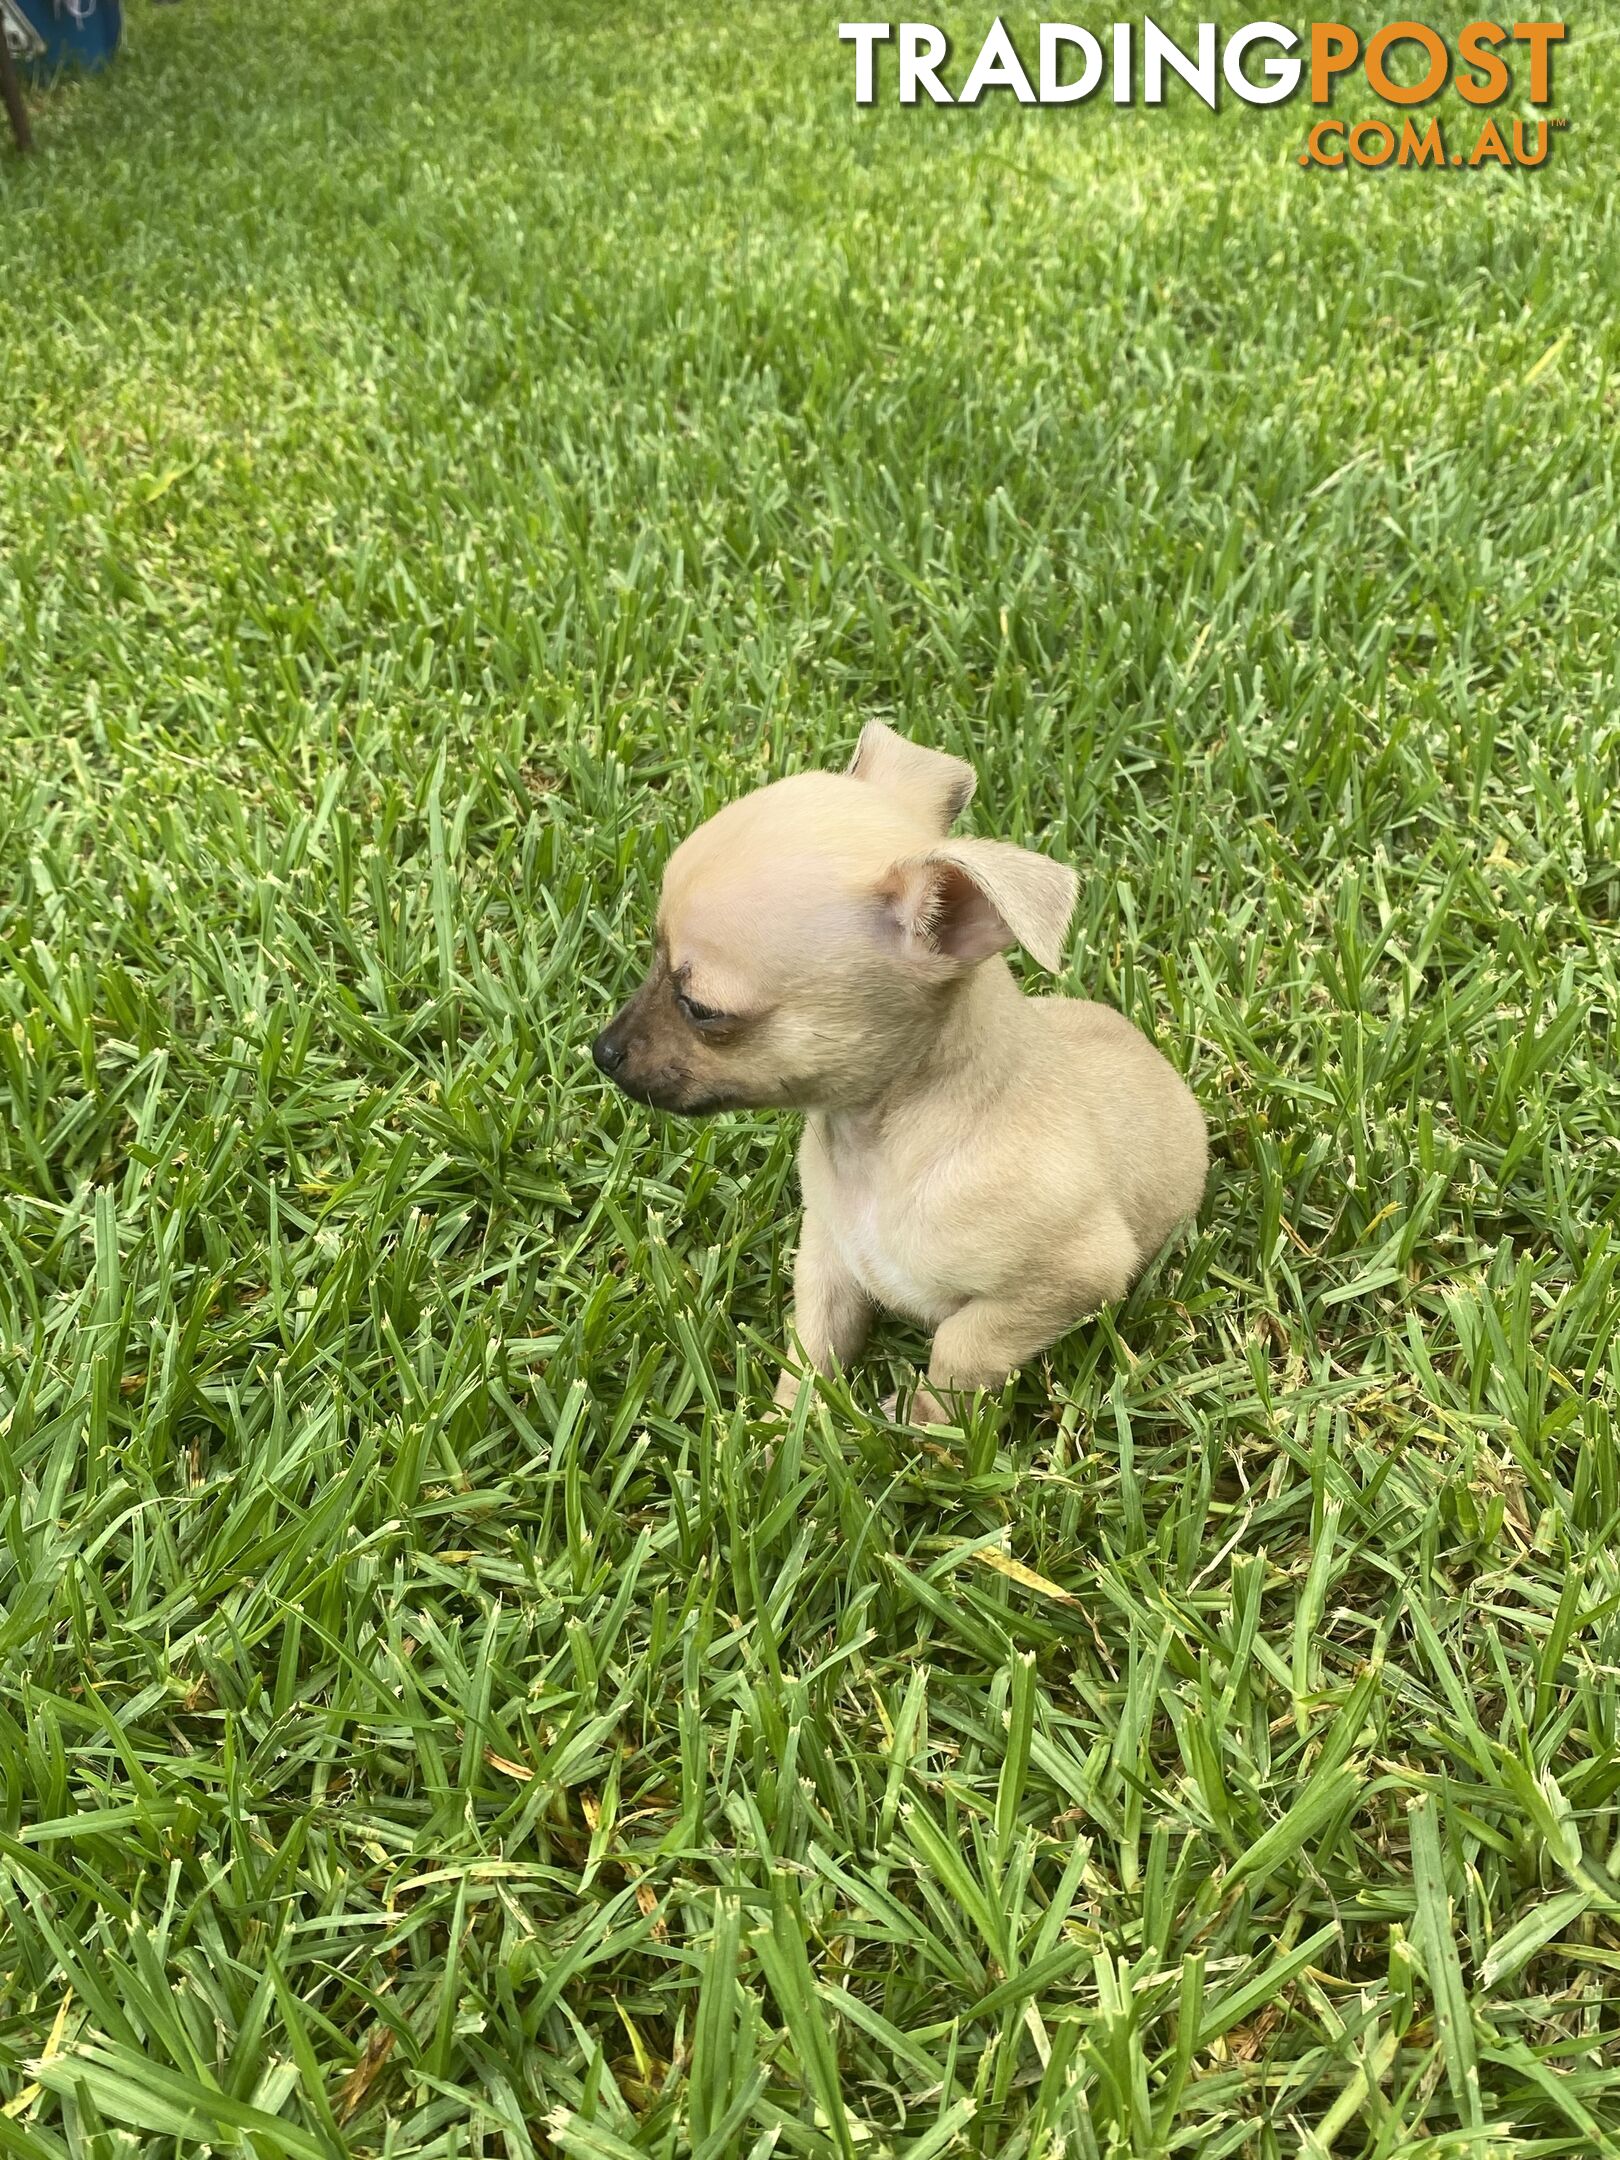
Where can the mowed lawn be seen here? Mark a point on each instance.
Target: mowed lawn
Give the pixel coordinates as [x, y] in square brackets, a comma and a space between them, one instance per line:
[444, 453]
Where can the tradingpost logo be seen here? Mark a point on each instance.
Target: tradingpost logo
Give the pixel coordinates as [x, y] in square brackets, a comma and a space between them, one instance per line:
[1260, 63]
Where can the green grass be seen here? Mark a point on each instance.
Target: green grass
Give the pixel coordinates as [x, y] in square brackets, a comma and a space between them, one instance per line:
[443, 454]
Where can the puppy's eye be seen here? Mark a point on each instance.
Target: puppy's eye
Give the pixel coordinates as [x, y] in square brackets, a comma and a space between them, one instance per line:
[695, 1012]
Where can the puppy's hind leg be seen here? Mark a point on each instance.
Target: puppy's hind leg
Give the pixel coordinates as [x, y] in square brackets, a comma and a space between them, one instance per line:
[831, 1312]
[979, 1345]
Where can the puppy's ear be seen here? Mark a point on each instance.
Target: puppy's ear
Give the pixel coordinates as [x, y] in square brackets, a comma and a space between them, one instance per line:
[966, 899]
[933, 783]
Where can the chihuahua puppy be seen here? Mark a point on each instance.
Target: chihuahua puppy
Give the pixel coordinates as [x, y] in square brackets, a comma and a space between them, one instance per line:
[992, 1165]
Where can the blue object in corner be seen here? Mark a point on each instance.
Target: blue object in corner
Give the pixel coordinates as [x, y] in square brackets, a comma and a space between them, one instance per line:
[46, 35]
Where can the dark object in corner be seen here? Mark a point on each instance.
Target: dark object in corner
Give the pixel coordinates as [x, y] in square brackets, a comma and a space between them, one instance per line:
[11, 91]
[39, 38]
[47, 36]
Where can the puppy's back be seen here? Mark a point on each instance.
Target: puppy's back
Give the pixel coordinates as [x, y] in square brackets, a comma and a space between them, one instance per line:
[1142, 1114]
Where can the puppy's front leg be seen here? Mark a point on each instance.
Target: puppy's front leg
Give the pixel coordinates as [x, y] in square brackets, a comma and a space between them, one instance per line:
[979, 1345]
[987, 1338]
[831, 1312]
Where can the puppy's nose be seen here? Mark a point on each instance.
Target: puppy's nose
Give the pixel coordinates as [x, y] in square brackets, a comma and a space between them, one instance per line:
[609, 1057]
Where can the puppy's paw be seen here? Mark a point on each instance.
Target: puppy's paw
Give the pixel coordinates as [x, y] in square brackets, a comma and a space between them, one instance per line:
[925, 1408]
[787, 1388]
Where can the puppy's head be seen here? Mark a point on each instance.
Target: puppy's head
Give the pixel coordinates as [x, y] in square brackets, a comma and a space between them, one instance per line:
[810, 936]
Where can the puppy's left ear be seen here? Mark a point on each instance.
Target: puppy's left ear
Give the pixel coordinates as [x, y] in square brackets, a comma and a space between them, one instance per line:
[967, 899]
[935, 784]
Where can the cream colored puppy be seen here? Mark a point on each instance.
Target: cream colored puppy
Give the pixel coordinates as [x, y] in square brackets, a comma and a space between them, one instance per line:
[993, 1165]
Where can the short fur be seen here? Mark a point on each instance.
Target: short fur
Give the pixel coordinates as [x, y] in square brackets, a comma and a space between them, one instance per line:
[992, 1165]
